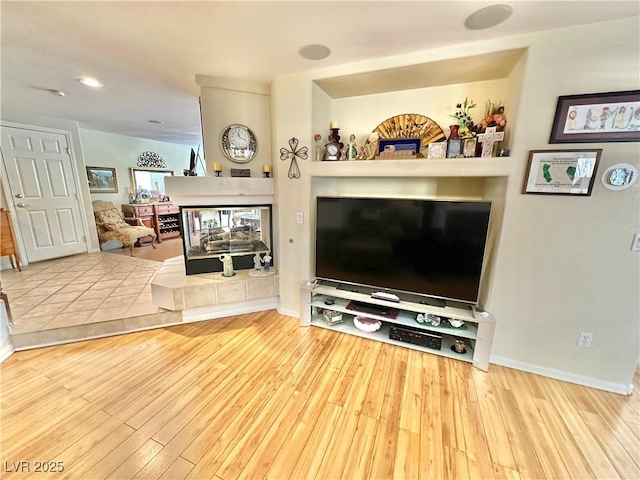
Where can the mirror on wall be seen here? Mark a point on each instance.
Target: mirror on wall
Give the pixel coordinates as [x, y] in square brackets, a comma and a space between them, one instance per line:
[148, 184]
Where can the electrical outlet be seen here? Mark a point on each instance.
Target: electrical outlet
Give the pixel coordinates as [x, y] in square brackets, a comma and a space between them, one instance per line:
[585, 339]
[299, 217]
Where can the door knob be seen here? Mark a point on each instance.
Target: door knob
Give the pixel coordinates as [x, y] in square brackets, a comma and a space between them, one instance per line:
[21, 205]
[18, 195]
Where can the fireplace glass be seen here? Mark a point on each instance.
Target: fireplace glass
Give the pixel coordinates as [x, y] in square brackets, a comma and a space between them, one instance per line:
[239, 231]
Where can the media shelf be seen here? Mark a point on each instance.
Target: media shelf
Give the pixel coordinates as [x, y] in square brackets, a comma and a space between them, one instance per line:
[477, 331]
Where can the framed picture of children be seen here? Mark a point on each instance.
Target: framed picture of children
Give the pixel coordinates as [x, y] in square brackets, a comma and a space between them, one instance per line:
[597, 117]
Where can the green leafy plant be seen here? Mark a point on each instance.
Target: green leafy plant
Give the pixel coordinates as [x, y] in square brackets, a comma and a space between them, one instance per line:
[462, 115]
[464, 120]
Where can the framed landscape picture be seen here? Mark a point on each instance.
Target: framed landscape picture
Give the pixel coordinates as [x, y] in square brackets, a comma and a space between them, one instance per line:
[597, 117]
[561, 172]
[102, 180]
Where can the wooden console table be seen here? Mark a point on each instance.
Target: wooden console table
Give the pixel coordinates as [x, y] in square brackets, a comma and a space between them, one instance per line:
[8, 241]
[163, 218]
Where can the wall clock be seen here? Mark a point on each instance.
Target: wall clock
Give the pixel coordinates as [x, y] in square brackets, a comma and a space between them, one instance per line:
[238, 143]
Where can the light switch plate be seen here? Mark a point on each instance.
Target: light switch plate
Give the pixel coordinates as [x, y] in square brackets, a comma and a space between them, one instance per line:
[636, 243]
[299, 217]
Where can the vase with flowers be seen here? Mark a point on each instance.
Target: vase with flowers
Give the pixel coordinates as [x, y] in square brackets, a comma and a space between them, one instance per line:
[493, 117]
[466, 127]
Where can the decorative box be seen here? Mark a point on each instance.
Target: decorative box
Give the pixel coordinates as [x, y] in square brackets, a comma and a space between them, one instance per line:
[332, 317]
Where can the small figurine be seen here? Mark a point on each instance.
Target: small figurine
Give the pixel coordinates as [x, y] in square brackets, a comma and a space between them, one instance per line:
[317, 137]
[362, 155]
[227, 265]
[459, 346]
[267, 261]
[257, 262]
[371, 146]
[352, 149]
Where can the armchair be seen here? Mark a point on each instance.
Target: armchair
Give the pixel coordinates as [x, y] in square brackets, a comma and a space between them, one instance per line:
[113, 226]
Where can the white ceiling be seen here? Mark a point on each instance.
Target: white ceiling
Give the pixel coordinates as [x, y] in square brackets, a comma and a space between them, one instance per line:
[148, 53]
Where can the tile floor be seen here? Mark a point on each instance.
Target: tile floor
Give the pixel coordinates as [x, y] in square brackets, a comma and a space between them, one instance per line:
[82, 296]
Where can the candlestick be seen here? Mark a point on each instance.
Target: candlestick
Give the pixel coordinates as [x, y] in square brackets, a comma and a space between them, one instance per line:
[334, 125]
[217, 169]
[266, 168]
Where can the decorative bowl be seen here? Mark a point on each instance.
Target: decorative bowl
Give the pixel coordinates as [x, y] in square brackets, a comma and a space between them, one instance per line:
[365, 324]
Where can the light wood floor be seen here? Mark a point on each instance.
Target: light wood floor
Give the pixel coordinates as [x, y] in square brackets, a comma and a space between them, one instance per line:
[256, 396]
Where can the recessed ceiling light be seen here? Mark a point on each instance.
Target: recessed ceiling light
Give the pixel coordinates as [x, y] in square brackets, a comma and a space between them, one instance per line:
[314, 52]
[156, 122]
[488, 17]
[90, 82]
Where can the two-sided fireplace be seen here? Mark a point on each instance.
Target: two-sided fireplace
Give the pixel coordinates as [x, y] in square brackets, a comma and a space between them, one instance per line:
[241, 232]
[223, 216]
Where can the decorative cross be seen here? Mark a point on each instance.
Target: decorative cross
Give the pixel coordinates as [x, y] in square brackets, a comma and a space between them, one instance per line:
[294, 171]
[488, 138]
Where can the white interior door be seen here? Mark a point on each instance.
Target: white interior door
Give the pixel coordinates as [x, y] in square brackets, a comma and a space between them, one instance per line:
[43, 192]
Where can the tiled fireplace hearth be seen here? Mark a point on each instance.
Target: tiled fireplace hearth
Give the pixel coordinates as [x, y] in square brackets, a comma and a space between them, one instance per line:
[209, 295]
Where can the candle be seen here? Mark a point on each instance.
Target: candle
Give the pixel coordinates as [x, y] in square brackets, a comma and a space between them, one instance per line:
[266, 168]
[334, 125]
[217, 167]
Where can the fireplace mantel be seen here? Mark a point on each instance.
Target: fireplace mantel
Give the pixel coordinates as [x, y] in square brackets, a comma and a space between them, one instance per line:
[205, 191]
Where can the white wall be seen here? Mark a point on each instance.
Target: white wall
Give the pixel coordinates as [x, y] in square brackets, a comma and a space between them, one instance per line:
[563, 264]
[223, 104]
[103, 149]
[6, 348]
[361, 115]
[93, 148]
[121, 152]
[26, 119]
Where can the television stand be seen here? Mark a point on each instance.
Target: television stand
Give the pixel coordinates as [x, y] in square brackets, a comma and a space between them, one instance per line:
[399, 324]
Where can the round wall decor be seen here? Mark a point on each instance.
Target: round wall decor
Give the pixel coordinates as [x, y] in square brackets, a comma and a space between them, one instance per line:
[151, 159]
[620, 176]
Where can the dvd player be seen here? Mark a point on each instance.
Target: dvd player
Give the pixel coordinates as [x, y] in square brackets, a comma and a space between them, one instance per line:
[415, 336]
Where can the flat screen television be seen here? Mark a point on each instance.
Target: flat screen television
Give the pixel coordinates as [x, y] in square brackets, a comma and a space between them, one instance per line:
[433, 248]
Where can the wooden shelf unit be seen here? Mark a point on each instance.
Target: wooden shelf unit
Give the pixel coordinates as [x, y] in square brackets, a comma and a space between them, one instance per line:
[477, 331]
[167, 220]
[8, 240]
[163, 218]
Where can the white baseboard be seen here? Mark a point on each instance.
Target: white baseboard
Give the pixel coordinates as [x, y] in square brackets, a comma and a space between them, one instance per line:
[288, 313]
[620, 388]
[5, 352]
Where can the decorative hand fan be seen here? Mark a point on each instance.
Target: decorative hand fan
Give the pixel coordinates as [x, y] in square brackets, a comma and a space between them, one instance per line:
[411, 125]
